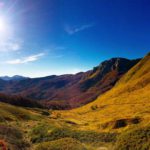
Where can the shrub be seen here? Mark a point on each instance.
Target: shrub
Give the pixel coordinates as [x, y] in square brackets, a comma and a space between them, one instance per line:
[45, 113]
[94, 107]
[14, 138]
[134, 139]
[41, 134]
[61, 144]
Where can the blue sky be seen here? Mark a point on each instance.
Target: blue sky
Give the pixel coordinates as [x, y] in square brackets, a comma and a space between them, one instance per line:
[45, 37]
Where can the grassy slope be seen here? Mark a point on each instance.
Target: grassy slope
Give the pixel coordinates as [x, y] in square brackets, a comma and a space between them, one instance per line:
[31, 127]
[14, 113]
[35, 127]
[128, 100]
[61, 144]
[14, 122]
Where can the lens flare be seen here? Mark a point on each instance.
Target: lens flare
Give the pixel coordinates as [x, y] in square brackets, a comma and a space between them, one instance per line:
[3, 25]
[5, 28]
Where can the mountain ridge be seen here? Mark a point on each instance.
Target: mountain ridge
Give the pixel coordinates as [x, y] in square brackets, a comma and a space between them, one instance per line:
[13, 78]
[81, 88]
[126, 104]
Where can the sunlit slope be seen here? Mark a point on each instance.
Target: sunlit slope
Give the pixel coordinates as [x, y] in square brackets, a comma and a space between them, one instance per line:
[14, 113]
[127, 103]
[139, 72]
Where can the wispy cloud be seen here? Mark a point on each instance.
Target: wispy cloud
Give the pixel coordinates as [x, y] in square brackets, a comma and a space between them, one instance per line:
[25, 60]
[74, 29]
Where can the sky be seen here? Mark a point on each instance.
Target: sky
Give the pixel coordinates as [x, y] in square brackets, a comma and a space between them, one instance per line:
[46, 37]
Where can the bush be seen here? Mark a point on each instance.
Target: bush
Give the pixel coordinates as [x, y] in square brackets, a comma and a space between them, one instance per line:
[45, 113]
[13, 137]
[94, 107]
[134, 139]
[41, 134]
[61, 144]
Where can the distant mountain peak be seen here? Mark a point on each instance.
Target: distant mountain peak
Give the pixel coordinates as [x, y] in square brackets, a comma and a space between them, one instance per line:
[13, 78]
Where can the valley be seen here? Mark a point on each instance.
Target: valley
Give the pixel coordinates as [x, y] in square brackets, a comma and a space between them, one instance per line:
[115, 120]
[74, 74]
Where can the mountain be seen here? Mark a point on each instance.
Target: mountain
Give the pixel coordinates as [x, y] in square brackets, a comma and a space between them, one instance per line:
[117, 119]
[13, 78]
[69, 91]
[125, 105]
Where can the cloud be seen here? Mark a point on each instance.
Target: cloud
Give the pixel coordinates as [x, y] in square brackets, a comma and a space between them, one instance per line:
[25, 60]
[10, 45]
[72, 30]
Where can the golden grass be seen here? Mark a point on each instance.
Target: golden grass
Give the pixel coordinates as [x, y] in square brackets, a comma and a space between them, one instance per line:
[128, 101]
[130, 98]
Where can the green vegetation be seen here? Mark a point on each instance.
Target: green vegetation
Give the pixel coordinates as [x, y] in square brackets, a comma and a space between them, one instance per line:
[83, 136]
[134, 139]
[14, 137]
[61, 144]
[45, 113]
[13, 113]
[43, 133]
[40, 133]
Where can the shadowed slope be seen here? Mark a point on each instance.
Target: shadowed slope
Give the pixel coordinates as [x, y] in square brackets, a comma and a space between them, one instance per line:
[19, 101]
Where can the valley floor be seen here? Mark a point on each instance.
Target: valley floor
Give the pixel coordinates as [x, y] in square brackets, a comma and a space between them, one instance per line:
[29, 129]
[37, 129]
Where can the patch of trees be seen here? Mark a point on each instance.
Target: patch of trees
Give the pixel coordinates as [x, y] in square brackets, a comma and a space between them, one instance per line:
[19, 101]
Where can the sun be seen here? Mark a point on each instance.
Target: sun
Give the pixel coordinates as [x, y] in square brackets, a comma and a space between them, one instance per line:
[5, 28]
[3, 25]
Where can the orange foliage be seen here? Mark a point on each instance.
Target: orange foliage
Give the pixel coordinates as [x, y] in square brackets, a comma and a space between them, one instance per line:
[3, 145]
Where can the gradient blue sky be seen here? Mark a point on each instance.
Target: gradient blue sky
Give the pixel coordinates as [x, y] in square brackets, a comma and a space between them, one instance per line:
[45, 37]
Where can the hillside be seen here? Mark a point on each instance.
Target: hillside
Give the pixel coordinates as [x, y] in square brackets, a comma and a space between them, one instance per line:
[30, 129]
[118, 119]
[15, 113]
[126, 104]
[14, 124]
[69, 91]
[19, 101]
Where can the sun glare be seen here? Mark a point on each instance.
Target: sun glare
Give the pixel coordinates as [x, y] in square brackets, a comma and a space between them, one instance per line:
[3, 25]
[5, 28]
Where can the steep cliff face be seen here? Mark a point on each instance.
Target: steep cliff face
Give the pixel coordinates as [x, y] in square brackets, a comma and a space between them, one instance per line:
[69, 91]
